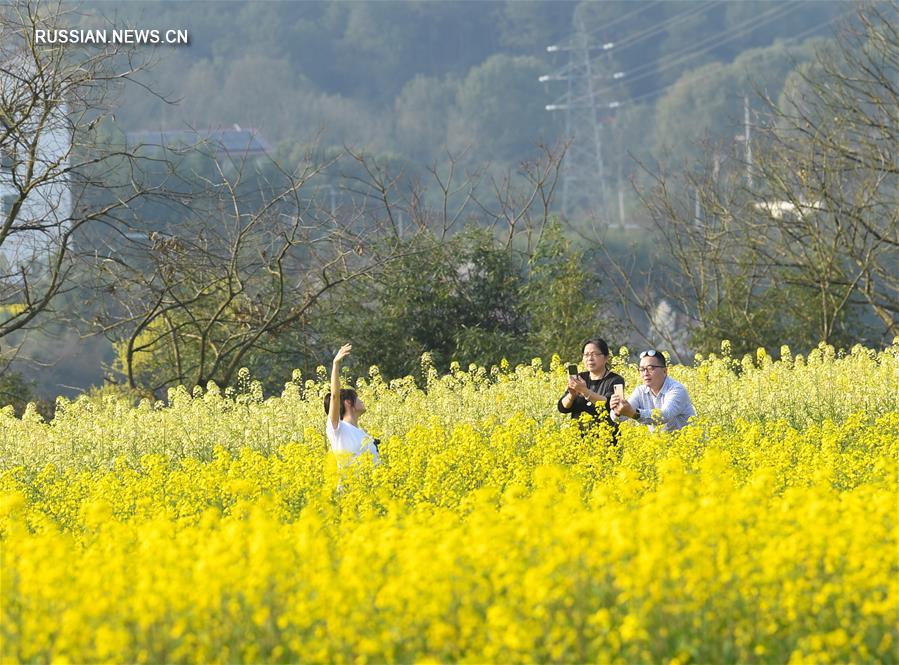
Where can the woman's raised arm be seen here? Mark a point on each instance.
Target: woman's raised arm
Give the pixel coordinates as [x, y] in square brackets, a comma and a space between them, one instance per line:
[334, 406]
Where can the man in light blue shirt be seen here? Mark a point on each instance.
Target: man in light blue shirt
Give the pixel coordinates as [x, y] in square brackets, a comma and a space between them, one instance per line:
[659, 393]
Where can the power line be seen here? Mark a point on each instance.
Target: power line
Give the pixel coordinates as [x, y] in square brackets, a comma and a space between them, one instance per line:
[652, 31]
[587, 107]
[707, 44]
[702, 77]
[643, 7]
[688, 49]
[572, 44]
[584, 180]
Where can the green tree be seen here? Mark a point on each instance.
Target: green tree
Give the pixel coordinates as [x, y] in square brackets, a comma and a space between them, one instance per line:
[529, 27]
[565, 301]
[707, 102]
[384, 44]
[457, 298]
[498, 113]
[471, 299]
[421, 117]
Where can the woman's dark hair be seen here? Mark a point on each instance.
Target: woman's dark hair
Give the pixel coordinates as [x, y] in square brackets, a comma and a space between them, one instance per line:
[345, 394]
[599, 343]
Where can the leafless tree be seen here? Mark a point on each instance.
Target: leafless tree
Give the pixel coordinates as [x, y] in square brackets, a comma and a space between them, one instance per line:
[58, 176]
[519, 205]
[516, 205]
[698, 273]
[250, 259]
[832, 157]
[812, 236]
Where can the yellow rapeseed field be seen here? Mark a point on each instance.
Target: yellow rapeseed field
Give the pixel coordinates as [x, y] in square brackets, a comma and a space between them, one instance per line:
[218, 528]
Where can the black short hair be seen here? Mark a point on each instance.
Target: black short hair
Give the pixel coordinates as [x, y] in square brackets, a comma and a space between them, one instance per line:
[345, 394]
[598, 342]
[653, 353]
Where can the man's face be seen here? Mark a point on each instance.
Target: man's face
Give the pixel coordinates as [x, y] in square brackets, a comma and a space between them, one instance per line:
[652, 372]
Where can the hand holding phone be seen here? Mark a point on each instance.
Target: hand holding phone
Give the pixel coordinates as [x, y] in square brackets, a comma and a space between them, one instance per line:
[572, 370]
[617, 398]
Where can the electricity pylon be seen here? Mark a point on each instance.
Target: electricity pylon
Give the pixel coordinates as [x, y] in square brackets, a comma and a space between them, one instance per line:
[584, 183]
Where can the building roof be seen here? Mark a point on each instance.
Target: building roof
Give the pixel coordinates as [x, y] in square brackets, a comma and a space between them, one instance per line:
[234, 140]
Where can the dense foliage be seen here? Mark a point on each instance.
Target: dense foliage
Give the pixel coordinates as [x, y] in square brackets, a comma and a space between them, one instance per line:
[218, 529]
[413, 78]
[411, 84]
[472, 299]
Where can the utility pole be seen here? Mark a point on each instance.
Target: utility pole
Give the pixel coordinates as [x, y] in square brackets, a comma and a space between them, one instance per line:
[697, 208]
[747, 140]
[584, 182]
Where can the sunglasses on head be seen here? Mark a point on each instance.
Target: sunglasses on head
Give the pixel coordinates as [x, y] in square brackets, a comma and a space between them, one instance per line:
[652, 353]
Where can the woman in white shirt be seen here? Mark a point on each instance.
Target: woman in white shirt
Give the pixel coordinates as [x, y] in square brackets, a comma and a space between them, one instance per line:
[344, 433]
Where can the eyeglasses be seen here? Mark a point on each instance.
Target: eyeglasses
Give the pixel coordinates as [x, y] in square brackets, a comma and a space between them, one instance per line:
[590, 354]
[648, 368]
